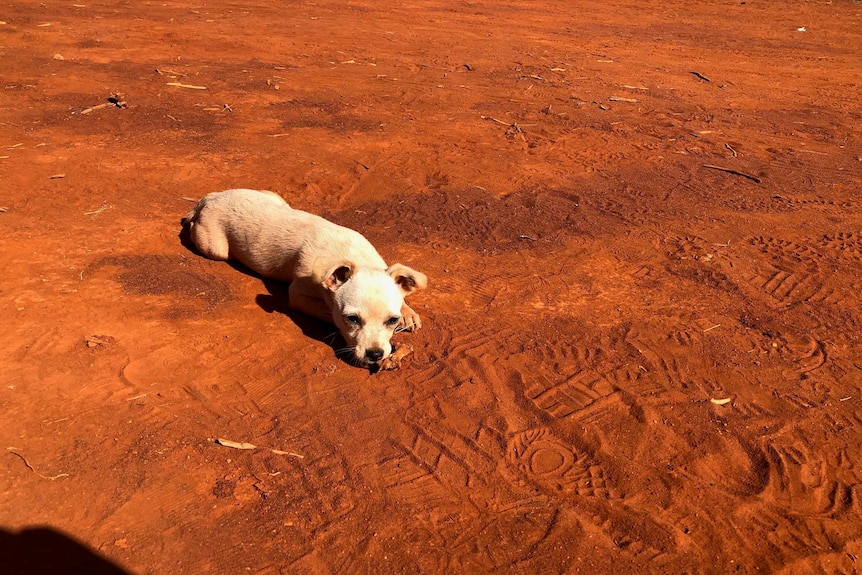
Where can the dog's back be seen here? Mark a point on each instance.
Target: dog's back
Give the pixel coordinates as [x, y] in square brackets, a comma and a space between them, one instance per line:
[260, 230]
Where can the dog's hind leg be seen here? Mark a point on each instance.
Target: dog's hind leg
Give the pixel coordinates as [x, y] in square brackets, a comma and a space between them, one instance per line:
[210, 241]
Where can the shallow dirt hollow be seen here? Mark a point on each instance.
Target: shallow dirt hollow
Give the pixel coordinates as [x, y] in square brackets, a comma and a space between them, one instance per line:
[641, 226]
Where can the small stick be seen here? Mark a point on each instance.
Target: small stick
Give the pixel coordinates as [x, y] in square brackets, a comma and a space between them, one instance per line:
[810, 152]
[94, 108]
[732, 151]
[97, 211]
[712, 328]
[701, 76]
[189, 86]
[754, 179]
[172, 72]
[30, 467]
[513, 128]
[290, 453]
[492, 118]
[115, 100]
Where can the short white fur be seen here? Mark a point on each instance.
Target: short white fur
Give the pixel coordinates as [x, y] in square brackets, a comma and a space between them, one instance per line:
[335, 273]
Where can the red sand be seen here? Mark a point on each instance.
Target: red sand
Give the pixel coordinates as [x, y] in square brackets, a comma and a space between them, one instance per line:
[631, 362]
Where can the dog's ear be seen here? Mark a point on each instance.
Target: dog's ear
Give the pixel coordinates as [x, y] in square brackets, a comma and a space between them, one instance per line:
[335, 278]
[408, 279]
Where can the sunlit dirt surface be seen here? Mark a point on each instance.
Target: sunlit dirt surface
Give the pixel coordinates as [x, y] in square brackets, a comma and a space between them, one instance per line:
[641, 226]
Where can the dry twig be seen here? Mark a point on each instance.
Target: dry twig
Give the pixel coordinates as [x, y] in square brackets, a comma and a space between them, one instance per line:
[30, 467]
[115, 100]
[754, 179]
[189, 86]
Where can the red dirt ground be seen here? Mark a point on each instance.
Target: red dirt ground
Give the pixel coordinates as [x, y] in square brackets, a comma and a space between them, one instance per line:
[631, 362]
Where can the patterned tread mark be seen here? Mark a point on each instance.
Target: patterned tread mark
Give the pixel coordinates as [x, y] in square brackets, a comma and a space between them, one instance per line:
[842, 245]
[629, 205]
[571, 396]
[811, 484]
[786, 538]
[842, 562]
[447, 459]
[805, 353]
[441, 471]
[727, 463]
[799, 273]
[691, 247]
[786, 286]
[791, 254]
[666, 359]
[554, 464]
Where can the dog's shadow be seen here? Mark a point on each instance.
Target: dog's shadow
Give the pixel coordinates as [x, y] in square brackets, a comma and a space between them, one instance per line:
[276, 301]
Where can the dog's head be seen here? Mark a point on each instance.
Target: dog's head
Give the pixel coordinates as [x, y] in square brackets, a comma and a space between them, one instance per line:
[367, 306]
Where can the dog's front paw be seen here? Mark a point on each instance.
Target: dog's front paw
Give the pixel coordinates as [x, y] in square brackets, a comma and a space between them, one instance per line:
[410, 320]
[394, 360]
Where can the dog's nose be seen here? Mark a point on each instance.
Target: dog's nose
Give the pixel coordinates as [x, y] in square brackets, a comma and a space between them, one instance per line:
[374, 354]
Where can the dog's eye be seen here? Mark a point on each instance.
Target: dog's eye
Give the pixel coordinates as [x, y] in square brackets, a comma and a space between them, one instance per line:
[353, 318]
[392, 321]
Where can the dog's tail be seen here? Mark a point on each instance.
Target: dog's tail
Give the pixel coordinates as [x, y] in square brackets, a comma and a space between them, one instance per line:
[192, 217]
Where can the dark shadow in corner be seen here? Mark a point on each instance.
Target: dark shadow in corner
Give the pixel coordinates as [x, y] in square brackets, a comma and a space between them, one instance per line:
[46, 551]
[276, 301]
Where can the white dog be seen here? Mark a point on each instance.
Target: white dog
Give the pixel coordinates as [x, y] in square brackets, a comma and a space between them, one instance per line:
[335, 273]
